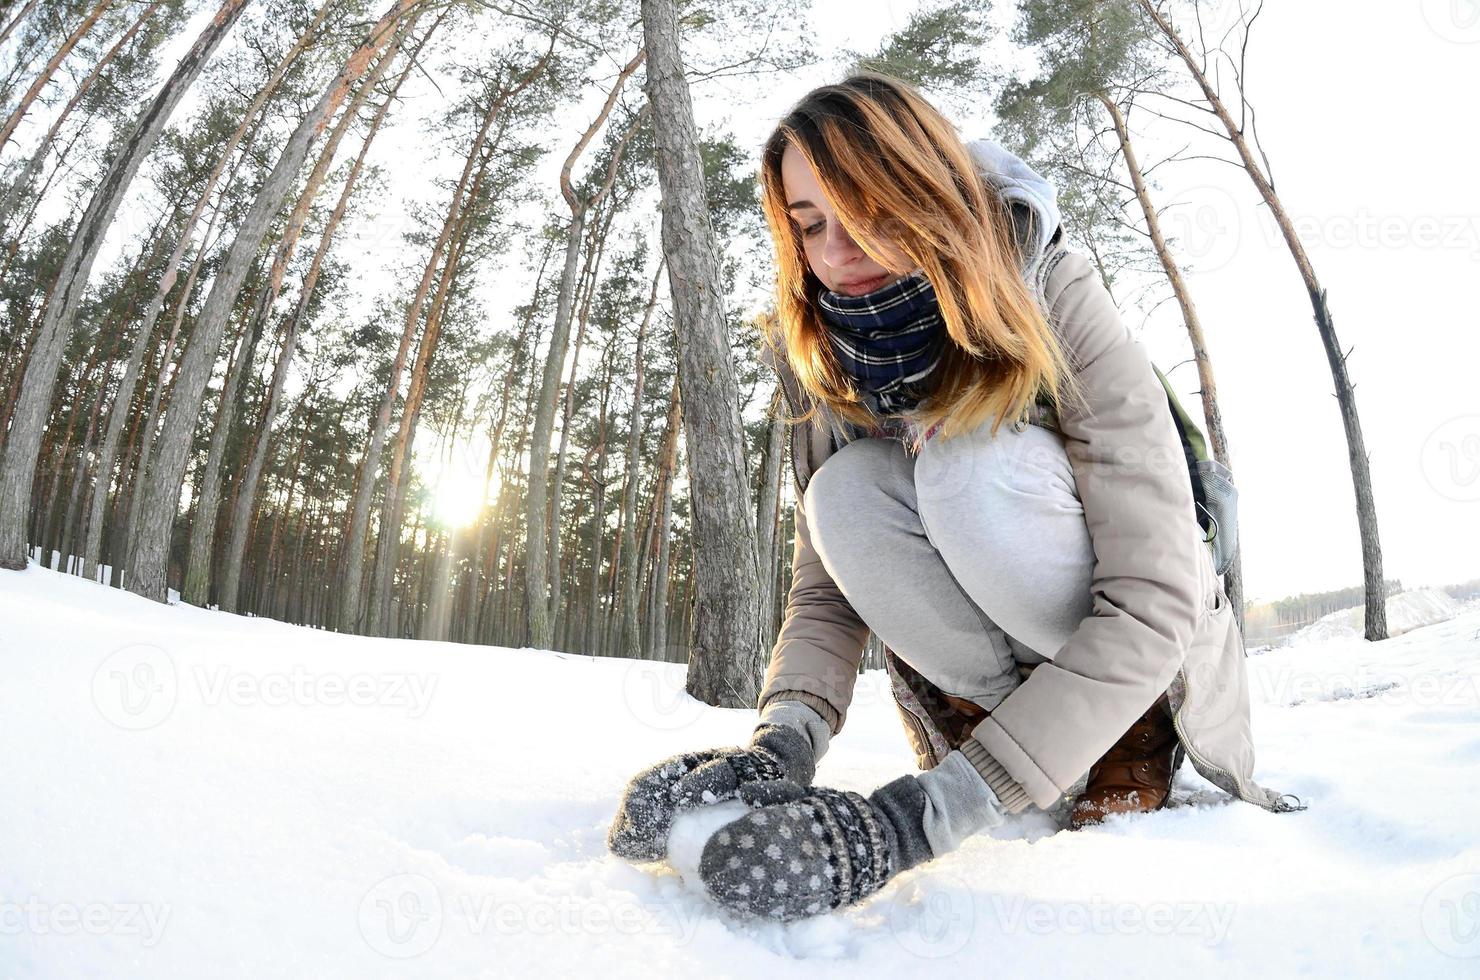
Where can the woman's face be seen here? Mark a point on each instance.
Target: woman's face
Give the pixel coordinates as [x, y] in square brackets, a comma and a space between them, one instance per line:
[835, 258]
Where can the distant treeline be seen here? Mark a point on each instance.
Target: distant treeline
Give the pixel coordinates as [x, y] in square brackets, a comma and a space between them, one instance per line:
[1268, 621]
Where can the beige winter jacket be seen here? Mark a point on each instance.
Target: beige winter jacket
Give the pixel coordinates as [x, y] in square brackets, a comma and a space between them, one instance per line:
[1161, 620]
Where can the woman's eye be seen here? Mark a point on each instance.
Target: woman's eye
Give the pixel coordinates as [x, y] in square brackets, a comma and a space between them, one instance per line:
[812, 229]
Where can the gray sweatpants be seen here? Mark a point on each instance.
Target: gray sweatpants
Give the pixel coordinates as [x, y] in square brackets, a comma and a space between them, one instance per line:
[966, 560]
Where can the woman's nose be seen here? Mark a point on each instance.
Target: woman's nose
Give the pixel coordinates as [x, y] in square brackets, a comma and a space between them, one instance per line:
[840, 248]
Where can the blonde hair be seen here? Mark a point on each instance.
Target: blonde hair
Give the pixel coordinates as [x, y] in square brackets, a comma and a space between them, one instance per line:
[901, 181]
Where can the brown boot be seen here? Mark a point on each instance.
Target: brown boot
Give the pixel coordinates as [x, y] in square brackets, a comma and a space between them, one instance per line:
[1135, 774]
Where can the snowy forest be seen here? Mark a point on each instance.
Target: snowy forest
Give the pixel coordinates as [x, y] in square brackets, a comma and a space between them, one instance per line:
[246, 360]
[389, 469]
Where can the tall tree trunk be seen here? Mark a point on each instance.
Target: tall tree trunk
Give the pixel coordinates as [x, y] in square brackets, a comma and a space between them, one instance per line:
[92, 551]
[163, 382]
[630, 642]
[203, 529]
[726, 661]
[485, 554]
[768, 514]
[557, 483]
[393, 504]
[537, 500]
[1375, 587]
[196, 586]
[598, 485]
[658, 583]
[15, 21]
[147, 563]
[31, 410]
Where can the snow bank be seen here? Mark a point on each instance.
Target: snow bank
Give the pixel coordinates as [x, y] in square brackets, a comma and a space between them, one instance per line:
[194, 794]
[1405, 611]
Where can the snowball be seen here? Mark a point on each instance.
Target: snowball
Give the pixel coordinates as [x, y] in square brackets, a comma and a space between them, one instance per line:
[692, 828]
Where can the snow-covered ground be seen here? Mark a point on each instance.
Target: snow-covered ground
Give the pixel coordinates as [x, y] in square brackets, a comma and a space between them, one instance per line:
[1405, 611]
[187, 793]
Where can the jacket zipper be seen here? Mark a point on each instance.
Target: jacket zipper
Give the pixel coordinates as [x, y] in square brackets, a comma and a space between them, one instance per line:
[1196, 757]
[919, 727]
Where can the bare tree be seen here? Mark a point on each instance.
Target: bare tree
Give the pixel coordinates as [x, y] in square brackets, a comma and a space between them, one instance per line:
[1376, 599]
[537, 499]
[726, 661]
[630, 641]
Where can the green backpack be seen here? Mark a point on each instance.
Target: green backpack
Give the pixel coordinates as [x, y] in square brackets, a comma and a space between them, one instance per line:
[1214, 497]
[1213, 492]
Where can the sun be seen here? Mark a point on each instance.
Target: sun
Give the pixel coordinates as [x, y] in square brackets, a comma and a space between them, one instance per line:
[458, 493]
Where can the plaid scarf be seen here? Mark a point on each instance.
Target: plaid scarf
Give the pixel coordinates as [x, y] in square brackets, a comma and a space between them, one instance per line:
[888, 340]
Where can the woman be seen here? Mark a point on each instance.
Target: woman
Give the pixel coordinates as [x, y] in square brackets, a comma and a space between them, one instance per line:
[1052, 619]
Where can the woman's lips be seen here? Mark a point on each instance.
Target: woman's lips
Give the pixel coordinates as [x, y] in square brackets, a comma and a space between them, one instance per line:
[867, 286]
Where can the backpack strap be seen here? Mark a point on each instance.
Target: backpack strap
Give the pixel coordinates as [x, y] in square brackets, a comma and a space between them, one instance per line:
[1194, 448]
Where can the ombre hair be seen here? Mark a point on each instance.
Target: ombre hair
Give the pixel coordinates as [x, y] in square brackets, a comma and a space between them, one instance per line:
[901, 181]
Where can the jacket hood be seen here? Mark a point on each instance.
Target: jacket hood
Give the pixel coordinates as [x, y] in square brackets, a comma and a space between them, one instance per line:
[1031, 198]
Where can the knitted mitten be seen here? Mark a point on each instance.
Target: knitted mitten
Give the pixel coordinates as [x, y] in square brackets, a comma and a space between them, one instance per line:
[805, 851]
[653, 797]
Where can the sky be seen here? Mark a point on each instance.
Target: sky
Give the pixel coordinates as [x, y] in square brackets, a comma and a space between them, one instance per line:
[1365, 112]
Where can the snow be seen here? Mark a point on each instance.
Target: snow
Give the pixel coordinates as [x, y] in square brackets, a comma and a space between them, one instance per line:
[194, 794]
[1405, 611]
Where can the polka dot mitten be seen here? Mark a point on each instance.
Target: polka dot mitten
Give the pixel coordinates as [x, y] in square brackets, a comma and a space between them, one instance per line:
[804, 851]
[653, 797]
